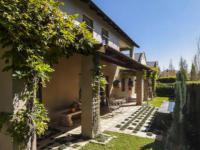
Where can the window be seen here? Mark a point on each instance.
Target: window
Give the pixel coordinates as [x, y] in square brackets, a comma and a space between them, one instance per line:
[89, 23]
[105, 37]
[116, 83]
[130, 84]
[123, 84]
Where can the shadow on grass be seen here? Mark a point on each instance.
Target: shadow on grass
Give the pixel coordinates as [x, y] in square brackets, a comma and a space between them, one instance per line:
[153, 146]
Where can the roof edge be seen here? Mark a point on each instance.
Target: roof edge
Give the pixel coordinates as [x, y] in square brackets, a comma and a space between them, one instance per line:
[110, 21]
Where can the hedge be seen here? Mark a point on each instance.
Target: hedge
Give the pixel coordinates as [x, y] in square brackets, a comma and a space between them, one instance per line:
[193, 83]
[192, 122]
[165, 90]
[166, 86]
[171, 79]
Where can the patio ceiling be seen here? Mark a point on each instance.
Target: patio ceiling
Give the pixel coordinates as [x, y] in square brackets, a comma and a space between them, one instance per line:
[113, 56]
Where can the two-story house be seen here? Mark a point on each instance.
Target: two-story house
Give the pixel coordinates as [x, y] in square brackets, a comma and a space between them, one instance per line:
[72, 78]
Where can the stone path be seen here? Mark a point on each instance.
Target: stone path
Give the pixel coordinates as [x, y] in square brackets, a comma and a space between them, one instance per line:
[134, 120]
[137, 123]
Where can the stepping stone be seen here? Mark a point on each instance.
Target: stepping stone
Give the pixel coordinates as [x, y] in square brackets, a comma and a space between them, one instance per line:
[130, 128]
[118, 126]
[76, 146]
[135, 131]
[149, 134]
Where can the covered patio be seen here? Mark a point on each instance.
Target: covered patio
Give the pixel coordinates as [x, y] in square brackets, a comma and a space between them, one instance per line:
[130, 73]
[69, 96]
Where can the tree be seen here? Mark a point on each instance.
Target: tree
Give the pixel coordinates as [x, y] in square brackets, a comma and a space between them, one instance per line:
[183, 66]
[196, 60]
[171, 66]
[36, 33]
[176, 138]
[193, 73]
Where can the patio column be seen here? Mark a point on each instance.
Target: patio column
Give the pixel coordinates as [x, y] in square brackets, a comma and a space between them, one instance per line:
[90, 119]
[139, 88]
[146, 89]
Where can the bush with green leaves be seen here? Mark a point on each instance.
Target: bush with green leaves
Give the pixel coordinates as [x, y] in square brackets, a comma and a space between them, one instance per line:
[35, 34]
[171, 79]
[176, 135]
[191, 114]
[166, 86]
[153, 76]
[165, 90]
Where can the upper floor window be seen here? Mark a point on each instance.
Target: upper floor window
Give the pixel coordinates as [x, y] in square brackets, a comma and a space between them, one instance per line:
[89, 23]
[105, 37]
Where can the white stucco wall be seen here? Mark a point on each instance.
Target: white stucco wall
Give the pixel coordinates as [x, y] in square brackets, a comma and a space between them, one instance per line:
[143, 59]
[112, 71]
[81, 8]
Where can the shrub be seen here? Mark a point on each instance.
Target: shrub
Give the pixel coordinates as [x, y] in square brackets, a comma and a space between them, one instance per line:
[171, 79]
[172, 85]
[189, 83]
[165, 90]
[192, 113]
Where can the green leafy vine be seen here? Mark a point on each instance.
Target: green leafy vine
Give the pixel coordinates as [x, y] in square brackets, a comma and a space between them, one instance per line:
[99, 80]
[35, 35]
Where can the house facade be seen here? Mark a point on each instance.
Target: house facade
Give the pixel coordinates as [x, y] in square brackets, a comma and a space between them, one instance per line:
[141, 58]
[152, 64]
[168, 73]
[72, 79]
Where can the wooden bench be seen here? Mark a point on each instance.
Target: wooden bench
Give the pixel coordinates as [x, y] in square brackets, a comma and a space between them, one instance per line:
[67, 118]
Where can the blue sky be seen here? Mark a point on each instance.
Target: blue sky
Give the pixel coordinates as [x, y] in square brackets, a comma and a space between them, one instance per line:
[164, 29]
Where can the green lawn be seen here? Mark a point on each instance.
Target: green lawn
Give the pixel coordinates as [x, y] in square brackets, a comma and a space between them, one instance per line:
[157, 101]
[126, 142]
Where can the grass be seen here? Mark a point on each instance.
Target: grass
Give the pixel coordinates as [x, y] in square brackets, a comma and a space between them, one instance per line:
[157, 101]
[126, 142]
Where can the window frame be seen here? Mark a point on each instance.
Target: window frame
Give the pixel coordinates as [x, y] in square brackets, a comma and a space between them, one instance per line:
[105, 36]
[89, 23]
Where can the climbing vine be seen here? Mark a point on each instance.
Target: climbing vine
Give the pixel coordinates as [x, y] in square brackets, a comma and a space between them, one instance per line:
[98, 83]
[99, 80]
[153, 75]
[34, 35]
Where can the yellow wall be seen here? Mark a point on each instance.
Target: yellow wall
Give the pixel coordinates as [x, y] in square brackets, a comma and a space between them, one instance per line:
[5, 101]
[64, 84]
[5, 87]
[63, 87]
[113, 72]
